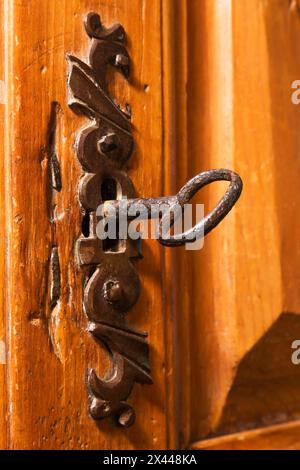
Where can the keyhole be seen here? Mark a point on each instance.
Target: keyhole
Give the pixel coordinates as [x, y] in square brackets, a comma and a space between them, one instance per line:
[109, 190]
[85, 224]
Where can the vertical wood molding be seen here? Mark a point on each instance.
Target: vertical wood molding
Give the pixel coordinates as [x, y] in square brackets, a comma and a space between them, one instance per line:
[180, 174]
[3, 339]
[171, 21]
[209, 144]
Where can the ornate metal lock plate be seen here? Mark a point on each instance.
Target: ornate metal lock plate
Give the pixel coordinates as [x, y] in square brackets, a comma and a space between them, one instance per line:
[113, 287]
[103, 148]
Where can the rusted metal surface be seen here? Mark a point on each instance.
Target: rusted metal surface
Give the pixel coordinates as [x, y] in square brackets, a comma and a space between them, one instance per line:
[214, 217]
[208, 223]
[103, 149]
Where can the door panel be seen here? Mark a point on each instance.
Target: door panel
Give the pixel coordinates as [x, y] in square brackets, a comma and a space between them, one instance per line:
[49, 348]
[245, 280]
[210, 87]
[3, 402]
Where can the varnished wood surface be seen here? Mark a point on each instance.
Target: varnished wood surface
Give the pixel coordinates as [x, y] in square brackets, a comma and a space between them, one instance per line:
[50, 350]
[3, 319]
[243, 58]
[211, 87]
[213, 280]
[168, 256]
[179, 279]
[279, 437]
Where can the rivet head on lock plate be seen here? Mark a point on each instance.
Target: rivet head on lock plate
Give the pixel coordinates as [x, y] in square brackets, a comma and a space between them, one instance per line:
[108, 142]
[112, 291]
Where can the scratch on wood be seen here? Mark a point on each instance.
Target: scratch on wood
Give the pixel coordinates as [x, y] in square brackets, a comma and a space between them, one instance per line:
[54, 185]
[54, 165]
[55, 305]
[55, 277]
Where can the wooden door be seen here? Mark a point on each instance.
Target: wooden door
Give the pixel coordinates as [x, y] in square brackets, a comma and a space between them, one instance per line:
[243, 60]
[48, 349]
[210, 87]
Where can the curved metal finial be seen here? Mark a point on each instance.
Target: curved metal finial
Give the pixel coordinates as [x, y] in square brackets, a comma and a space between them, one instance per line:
[95, 29]
[214, 217]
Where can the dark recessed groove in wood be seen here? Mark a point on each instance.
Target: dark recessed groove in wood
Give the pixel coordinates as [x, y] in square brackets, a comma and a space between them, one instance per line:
[55, 285]
[54, 166]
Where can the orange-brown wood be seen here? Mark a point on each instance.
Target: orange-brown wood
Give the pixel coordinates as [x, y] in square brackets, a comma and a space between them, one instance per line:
[50, 349]
[210, 87]
[168, 261]
[243, 58]
[181, 173]
[210, 136]
[3, 319]
[279, 437]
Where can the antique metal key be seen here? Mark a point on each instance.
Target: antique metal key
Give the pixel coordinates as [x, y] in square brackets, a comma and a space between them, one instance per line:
[122, 208]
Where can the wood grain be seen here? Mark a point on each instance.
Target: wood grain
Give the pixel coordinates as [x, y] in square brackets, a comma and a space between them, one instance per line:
[279, 437]
[176, 159]
[50, 348]
[168, 259]
[3, 319]
[243, 58]
[209, 145]
[210, 87]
